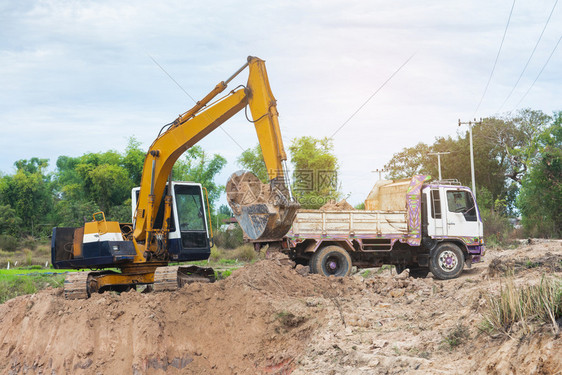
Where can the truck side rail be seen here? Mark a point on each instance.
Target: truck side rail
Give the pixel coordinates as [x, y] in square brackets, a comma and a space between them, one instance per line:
[310, 223]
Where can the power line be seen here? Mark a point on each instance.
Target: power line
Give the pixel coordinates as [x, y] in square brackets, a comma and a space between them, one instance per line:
[375, 93]
[530, 57]
[497, 57]
[538, 75]
[191, 97]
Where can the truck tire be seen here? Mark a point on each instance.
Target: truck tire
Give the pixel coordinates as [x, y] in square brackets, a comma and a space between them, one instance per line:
[331, 261]
[311, 265]
[447, 261]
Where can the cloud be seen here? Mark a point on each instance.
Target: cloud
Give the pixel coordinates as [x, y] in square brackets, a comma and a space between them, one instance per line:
[75, 76]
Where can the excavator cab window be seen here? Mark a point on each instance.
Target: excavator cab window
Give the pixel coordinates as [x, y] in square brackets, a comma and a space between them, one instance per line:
[160, 214]
[191, 216]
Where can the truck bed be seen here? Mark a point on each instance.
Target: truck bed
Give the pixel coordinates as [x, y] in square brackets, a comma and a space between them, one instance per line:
[314, 223]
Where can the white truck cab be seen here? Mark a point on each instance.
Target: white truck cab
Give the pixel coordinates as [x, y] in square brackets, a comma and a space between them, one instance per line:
[451, 211]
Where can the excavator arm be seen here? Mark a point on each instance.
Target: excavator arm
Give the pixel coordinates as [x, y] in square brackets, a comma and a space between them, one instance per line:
[267, 213]
[264, 211]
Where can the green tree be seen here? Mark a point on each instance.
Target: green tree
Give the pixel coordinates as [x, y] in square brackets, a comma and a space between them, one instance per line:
[28, 192]
[133, 160]
[540, 200]
[99, 180]
[503, 149]
[199, 167]
[511, 140]
[315, 171]
[109, 186]
[410, 161]
[73, 213]
[252, 160]
[33, 165]
[10, 223]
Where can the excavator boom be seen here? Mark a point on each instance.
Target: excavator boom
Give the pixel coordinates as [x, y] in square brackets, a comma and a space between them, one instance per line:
[169, 218]
[268, 214]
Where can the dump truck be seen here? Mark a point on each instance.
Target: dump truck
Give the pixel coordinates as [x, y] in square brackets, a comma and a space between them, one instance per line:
[411, 223]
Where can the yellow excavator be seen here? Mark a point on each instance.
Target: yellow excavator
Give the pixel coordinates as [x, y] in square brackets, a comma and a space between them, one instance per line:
[169, 219]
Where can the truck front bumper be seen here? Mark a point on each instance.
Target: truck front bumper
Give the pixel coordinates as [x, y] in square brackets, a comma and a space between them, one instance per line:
[475, 253]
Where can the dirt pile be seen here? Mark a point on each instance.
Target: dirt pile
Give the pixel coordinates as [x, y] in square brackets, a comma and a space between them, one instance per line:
[256, 321]
[269, 319]
[332, 205]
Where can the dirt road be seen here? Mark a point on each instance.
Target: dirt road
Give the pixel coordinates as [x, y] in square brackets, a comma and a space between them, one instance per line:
[269, 319]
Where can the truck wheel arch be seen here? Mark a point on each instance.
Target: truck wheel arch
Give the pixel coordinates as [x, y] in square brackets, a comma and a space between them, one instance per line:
[316, 245]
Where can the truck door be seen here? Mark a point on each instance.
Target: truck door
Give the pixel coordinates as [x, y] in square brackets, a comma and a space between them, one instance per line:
[461, 214]
[435, 219]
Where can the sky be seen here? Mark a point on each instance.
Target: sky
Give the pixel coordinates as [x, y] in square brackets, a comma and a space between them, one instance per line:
[78, 76]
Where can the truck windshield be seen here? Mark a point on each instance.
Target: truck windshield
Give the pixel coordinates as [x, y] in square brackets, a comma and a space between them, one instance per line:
[461, 201]
[191, 214]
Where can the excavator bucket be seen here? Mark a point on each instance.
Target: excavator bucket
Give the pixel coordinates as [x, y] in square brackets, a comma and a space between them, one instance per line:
[265, 212]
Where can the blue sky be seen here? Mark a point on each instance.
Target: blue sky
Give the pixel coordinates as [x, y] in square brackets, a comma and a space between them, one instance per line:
[76, 76]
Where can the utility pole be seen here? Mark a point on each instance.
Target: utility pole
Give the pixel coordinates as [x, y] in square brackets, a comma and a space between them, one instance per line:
[379, 171]
[439, 159]
[470, 125]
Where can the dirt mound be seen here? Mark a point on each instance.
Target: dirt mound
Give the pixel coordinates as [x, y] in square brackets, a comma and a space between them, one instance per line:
[267, 318]
[331, 205]
[538, 354]
[256, 321]
[548, 262]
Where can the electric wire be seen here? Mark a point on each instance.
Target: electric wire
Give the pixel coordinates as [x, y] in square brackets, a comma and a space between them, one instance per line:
[375, 93]
[530, 57]
[186, 93]
[496, 61]
[540, 72]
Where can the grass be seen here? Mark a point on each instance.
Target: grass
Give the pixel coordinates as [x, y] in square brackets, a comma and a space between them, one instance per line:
[524, 308]
[457, 336]
[219, 275]
[365, 274]
[244, 253]
[17, 282]
[385, 267]
[28, 271]
[37, 252]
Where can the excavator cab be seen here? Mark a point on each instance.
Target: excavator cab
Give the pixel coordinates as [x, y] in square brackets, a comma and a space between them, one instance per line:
[188, 238]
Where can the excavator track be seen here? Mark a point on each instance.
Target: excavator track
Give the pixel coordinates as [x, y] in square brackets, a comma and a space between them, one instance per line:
[174, 277]
[165, 279]
[76, 285]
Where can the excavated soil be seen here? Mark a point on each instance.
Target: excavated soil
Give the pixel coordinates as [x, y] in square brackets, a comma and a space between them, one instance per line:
[332, 205]
[269, 318]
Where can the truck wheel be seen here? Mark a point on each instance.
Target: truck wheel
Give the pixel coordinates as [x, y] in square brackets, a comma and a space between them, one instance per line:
[331, 261]
[311, 263]
[447, 261]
